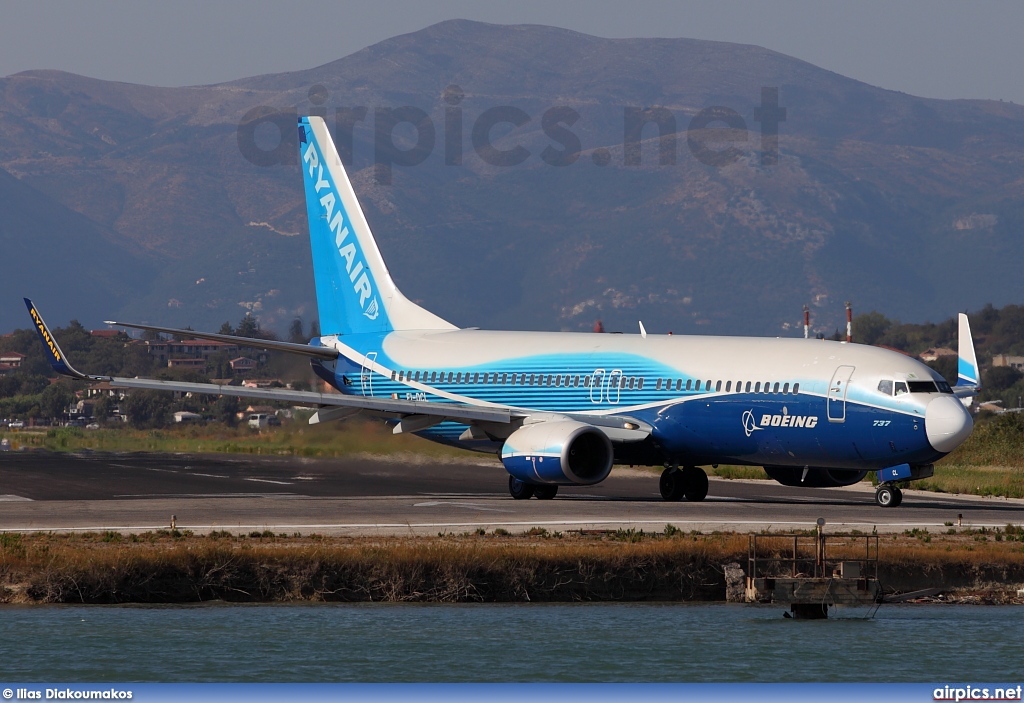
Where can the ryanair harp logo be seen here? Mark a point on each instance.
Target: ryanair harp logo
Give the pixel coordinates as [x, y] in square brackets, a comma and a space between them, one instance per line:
[750, 421]
[335, 217]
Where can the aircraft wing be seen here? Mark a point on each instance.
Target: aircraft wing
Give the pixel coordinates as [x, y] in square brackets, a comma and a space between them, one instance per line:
[388, 406]
[415, 413]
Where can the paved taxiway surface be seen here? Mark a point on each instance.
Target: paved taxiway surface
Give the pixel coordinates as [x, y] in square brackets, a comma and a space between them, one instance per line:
[402, 495]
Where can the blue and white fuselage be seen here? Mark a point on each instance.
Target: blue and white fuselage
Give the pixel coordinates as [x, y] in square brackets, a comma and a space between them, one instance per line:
[811, 412]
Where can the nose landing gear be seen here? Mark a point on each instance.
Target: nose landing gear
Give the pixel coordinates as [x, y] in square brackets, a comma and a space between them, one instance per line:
[888, 495]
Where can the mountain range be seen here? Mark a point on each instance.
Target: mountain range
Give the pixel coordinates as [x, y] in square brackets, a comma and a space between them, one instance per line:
[183, 206]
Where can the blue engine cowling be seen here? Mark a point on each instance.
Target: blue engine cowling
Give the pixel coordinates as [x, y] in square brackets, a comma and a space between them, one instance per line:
[561, 452]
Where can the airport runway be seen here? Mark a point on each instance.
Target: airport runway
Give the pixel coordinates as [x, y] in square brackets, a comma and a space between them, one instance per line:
[357, 496]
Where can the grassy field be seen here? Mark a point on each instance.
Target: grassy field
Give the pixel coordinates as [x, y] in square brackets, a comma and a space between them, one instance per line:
[291, 439]
[989, 463]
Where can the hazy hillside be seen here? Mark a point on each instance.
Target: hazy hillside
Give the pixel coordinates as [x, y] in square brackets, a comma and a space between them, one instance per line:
[900, 204]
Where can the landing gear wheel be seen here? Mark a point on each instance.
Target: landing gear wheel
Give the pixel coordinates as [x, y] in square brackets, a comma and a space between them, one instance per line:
[520, 490]
[888, 496]
[545, 492]
[696, 484]
[672, 484]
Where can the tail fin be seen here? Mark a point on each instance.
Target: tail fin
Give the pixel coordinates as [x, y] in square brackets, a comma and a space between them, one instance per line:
[968, 376]
[354, 291]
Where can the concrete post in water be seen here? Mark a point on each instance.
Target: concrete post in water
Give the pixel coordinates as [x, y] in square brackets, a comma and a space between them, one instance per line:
[174, 522]
[735, 583]
[849, 322]
[807, 322]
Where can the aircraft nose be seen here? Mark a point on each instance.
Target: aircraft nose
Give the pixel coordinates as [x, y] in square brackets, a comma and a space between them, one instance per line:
[947, 423]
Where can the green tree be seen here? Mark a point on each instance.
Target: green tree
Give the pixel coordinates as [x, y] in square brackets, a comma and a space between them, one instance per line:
[147, 409]
[1000, 378]
[102, 407]
[249, 326]
[225, 410]
[295, 334]
[870, 327]
[54, 400]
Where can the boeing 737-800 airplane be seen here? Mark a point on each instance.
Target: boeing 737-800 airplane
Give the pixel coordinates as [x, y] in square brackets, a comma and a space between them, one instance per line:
[562, 408]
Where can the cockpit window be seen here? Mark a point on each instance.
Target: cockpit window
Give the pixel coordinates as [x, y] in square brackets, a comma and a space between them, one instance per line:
[901, 388]
[943, 387]
[885, 387]
[922, 386]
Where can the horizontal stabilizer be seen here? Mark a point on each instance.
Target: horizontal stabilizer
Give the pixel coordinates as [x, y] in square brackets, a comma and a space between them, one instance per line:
[247, 342]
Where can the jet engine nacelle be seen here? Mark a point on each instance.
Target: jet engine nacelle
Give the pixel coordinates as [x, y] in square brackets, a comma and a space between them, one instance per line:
[561, 452]
[816, 477]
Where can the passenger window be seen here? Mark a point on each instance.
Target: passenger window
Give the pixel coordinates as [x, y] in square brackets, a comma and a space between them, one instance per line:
[586, 381]
[785, 388]
[718, 386]
[575, 381]
[728, 387]
[747, 390]
[757, 387]
[657, 385]
[796, 388]
[901, 388]
[776, 389]
[458, 377]
[640, 383]
[688, 382]
[504, 378]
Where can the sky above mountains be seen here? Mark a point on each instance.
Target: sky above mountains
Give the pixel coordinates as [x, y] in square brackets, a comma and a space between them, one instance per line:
[930, 48]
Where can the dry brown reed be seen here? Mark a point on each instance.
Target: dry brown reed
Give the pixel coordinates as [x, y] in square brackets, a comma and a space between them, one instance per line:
[612, 566]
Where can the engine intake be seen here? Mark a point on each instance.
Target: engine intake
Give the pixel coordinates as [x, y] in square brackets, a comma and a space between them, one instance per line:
[561, 452]
[817, 477]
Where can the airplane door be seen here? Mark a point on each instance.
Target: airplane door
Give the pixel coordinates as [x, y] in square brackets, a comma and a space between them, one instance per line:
[597, 386]
[366, 376]
[614, 382]
[837, 389]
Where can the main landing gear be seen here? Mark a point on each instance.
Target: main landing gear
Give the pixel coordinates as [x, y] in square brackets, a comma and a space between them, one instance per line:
[888, 496]
[689, 482]
[521, 490]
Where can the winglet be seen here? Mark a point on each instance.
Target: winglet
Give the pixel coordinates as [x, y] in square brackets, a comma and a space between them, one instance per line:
[58, 361]
[968, 376]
